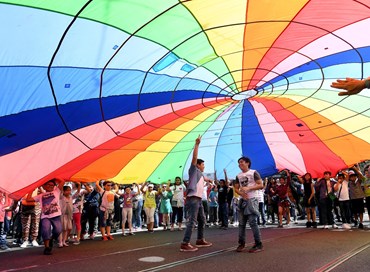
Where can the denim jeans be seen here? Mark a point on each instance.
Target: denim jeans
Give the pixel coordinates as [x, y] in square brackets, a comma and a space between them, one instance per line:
[136, 218]
[51, 227]
[261, 208]
[252, 220]
[195, 213]
[235, 211]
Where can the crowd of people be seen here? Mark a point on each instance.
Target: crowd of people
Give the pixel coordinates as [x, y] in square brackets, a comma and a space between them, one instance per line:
[104, 207]
[70, 212]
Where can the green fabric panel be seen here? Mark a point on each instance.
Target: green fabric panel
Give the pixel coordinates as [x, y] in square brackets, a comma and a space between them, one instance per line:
[170, 166]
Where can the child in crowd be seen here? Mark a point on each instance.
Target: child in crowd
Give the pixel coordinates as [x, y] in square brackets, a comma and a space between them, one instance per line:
[149, 204]
[106, 210]
[78, 199]
[165, 208]
[213, 206]
[30, 219]
[51, 224]
[66, 205]
[128, 197]
[4, 205]
[177, 203]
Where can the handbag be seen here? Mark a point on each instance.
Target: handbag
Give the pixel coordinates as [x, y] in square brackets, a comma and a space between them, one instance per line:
[332, 196]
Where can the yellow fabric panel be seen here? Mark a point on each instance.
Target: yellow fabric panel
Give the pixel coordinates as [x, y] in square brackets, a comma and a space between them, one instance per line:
[225, 39]
[337, 136]
[347, 119]
[265, 11]
[140, 169]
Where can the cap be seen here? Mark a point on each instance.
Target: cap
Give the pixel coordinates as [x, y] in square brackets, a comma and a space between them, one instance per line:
[351, 172]
[151, 186]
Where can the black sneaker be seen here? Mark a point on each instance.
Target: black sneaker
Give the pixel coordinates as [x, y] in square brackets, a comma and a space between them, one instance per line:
[256, 248]
[47, 251]
[360, 226]
[240, 248]
[51, 242]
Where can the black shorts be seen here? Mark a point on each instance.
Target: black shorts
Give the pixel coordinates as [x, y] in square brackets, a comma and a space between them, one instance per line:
[357, 206]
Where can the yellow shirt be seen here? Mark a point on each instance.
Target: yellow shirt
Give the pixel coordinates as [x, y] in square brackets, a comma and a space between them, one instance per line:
[149, 199]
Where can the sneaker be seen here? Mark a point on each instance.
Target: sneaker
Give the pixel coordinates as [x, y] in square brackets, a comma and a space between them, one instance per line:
[47, 251]
[335, 226]
[280, 226]
[34, 243]
[360, 226]
[326, 227]
[187, 247]
[314, 225]
[25, 244]
[76, 243]
[346, 226]
[202, 243]
[256, 248]
[92, 236]
[240, 248]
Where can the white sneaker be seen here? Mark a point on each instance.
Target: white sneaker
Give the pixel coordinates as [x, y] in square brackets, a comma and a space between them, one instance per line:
[25, 244]
[326, 227]
[335, 226]
[35, 244]
[346, 226]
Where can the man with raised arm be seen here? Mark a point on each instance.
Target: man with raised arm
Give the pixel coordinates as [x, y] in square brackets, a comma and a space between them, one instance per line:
[193, 205]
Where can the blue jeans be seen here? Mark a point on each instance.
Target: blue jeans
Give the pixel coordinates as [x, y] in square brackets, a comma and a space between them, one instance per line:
[235, 211]
[195, 213]
[51, 227]
[252, 220]
[136, 218]
[261, 208]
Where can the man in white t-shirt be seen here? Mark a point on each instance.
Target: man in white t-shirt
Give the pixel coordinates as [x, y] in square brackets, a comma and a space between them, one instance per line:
[193, 205]
[247, 184]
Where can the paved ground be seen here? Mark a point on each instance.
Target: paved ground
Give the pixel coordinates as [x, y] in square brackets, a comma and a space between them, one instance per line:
[289, 249]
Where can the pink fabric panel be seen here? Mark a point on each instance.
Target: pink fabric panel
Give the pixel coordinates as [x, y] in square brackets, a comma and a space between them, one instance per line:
[285, 153]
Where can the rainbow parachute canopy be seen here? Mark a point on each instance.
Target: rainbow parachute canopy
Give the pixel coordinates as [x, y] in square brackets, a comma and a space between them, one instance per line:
[120, 90]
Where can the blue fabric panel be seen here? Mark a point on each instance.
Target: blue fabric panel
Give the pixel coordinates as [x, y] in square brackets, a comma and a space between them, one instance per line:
[254, 144]
[29, 127]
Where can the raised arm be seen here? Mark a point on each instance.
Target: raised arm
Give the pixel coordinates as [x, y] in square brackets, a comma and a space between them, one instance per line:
[358, 172]
[195, 151]
[98, 187]
[60, 183]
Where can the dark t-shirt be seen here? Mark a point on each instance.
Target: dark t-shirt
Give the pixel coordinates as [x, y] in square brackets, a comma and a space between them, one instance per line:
[222, 194]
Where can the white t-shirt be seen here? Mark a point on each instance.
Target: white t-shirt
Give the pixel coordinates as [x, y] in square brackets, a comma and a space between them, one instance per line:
[248, 179]
[49, 202]
[178, 195]
[261, 197]
[107, 201]
[344, 192]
